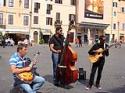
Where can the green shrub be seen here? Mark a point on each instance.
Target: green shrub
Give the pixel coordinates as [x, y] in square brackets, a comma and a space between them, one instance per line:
[41, 41]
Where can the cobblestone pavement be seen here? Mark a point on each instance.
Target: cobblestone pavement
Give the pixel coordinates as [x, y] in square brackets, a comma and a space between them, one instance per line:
[113, 78]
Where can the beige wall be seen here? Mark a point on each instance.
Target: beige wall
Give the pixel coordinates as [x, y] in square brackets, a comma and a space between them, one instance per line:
[65, 9]
[41, 18]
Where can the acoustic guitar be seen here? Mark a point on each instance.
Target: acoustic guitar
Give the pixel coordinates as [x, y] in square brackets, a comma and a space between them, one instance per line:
[28, 76]
[98, 53]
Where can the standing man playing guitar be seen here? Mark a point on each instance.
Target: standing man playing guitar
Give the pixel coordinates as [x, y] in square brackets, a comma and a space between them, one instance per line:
[18, 65]
[95, 50]
[56, 46]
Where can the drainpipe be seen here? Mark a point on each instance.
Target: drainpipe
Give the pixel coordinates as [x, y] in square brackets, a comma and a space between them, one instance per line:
[30, 25]
[111, 38]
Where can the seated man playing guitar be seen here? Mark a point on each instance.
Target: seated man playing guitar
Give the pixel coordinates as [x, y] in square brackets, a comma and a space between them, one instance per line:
[18, 65]
[99, 51]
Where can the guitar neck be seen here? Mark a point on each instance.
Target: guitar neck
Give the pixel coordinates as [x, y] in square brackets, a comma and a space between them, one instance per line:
[34, 60]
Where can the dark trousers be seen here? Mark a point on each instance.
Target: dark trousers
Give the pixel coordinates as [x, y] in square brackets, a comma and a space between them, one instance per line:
[98, 65]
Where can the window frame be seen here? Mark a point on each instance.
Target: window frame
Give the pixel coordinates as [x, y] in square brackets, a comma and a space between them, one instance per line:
[73, 2]
[25, 20]
[26, 4]
[36, 20]
[58, 1]
[11, 3]
[1, 18]
[10, 19]
[49, 21]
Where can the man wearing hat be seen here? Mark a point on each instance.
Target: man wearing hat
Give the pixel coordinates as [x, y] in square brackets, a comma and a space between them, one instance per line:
[99, 63]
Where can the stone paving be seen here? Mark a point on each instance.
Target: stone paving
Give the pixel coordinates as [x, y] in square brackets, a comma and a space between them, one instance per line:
[113, 78]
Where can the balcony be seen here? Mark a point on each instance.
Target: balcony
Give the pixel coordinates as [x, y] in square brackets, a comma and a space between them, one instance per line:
[71, 24]
[2, 26]
[58, 23]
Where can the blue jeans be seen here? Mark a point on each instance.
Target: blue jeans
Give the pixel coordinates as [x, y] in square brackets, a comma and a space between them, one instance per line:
[37, 83]
[55, 60]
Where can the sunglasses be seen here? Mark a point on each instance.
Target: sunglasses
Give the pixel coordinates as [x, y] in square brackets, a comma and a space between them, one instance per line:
[60, 30]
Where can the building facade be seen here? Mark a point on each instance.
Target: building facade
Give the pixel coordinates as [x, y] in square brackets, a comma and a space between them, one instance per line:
[117, 26]
[60, 13]
[37, 19]
[14, 18]
[94, 18]
[101, 17]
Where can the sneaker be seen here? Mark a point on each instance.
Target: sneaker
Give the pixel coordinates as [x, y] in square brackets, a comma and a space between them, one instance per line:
[98, 87]
[88, 87]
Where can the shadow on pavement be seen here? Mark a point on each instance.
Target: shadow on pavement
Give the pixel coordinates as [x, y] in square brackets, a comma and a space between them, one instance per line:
[84, 82]
[118, 90]
[48, 78]
[102, 92]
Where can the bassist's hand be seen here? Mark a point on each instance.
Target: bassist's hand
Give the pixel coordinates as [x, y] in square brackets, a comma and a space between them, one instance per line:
[58, 51]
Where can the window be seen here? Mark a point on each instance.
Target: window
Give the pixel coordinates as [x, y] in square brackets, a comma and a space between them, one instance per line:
[123, 26]
[11, 3]
[57, 16]
[114, 26]
[26, 3]
[71, 17]
[35, 19]
[1, 18]
[114, 13]
[10, 19]
[73, 2]
[26, 20]
[114, 4]
[123, 9]
[58, 1]
[36, 7]
[48, 12]
[49, 8]
[49, 21]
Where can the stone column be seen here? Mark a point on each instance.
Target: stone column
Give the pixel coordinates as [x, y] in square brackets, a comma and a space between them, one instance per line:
[89, 37]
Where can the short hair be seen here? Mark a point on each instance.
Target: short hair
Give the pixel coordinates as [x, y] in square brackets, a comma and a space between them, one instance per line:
[58, 28]
[21, 46]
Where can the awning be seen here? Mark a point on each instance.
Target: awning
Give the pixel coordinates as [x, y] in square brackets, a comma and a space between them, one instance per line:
[17, 31]
[46, 31]
[93, 25]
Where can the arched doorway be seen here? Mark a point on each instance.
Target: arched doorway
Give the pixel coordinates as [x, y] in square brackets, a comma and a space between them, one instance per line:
[35, 36]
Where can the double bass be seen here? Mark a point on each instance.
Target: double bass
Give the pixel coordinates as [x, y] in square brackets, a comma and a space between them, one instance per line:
[66, 71]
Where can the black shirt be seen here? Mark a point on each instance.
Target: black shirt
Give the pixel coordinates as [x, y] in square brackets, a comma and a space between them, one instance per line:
[97, 46]
[57, 41]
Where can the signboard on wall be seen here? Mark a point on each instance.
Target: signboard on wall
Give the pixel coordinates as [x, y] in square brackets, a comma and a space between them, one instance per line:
[94, 9]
